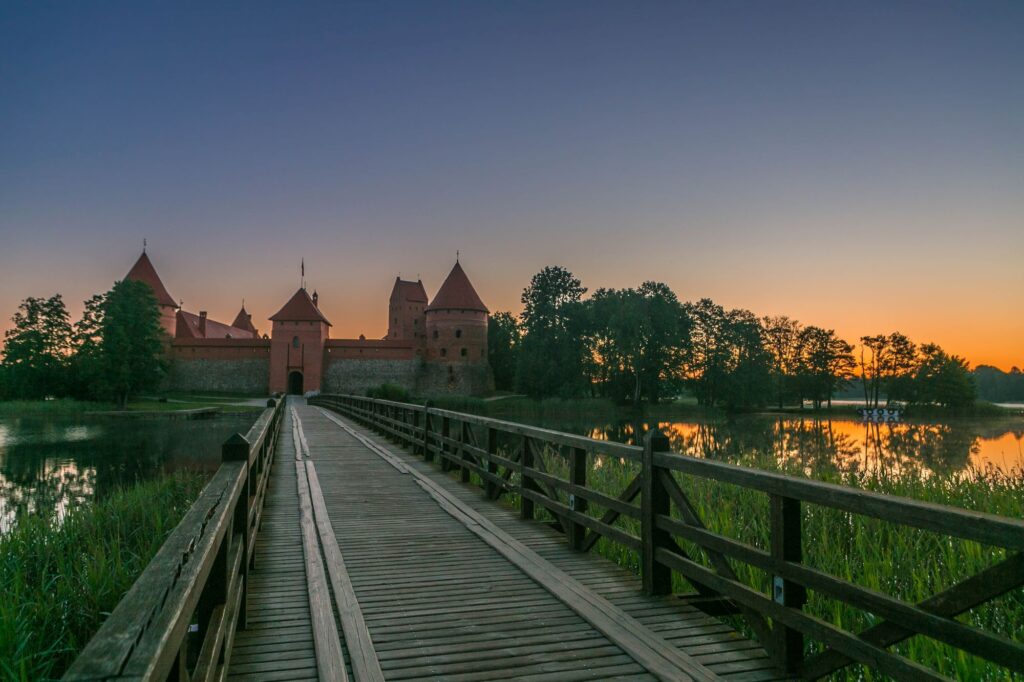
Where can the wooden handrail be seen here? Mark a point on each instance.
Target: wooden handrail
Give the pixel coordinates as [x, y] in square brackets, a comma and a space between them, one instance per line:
[179, 618]
[509, 458]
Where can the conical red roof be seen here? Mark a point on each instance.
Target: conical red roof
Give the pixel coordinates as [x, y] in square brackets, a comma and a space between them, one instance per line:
[299, 308]
[143, 271]
[457, 292]
[243, 320]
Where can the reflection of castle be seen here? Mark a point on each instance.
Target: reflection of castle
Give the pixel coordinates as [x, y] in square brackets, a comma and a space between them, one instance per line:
[437, 346]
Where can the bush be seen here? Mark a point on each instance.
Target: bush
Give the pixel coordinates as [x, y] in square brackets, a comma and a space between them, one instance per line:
[388, 392]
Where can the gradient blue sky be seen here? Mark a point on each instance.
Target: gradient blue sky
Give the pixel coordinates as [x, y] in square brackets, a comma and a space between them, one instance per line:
[855, 165]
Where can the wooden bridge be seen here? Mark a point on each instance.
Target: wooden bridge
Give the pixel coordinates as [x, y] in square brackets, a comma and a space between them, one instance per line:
[349, 538]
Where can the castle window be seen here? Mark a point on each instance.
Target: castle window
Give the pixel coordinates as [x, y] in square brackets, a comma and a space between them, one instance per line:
[415, 323]
[458, 333]
[295, 342]
[444, 352]
[481, 352]
[464, 352]
[435, 333]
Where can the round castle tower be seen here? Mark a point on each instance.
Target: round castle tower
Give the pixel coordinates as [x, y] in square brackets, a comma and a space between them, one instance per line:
[457, 322]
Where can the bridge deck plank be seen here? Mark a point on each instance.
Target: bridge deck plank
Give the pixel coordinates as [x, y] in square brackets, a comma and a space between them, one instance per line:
[439, 602]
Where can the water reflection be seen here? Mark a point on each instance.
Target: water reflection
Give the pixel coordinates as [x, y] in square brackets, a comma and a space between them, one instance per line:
[50, 464]
[811, 446]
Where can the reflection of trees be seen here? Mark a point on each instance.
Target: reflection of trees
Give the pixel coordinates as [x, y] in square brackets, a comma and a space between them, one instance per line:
[43, 471]
[812, 446]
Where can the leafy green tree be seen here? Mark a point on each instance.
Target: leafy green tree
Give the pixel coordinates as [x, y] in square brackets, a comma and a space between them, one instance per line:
[782, 341]
[87, 374]
[554, 323]
[132, 340]
[35, 353]
[944, 379]
[706, 363]
[503, 337]
[872, 367]
[826, 364]
[638, 338]
[748, 366]
[898, 371]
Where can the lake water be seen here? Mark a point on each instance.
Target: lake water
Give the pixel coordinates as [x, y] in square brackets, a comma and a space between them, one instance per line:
[48, 464]
[813, 445]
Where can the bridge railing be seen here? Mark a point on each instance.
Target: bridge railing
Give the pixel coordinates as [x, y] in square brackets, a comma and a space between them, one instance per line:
[643, 513]
[179, 618]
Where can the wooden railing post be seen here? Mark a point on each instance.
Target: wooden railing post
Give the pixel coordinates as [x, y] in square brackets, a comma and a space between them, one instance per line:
[525, 480]
[236, 449]
[446, 426]
[786, 545]
[657, 578]
[576, 532]
[491, 488]
[415, 430]
[464, 439]
[428, 455]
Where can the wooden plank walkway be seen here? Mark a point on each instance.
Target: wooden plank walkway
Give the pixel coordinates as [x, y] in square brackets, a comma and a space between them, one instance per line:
[434, 582]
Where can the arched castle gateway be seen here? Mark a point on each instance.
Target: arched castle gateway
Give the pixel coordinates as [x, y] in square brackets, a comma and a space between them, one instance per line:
[431, 347]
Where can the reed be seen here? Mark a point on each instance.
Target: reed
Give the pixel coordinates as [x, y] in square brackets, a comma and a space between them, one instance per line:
[59, 579]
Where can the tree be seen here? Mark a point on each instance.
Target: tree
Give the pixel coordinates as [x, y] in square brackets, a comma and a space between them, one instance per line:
[898, 370]
[826, 364]
[638, 339]
[748, 366]
[132, 340]
[503, 337]
[781, 340]
[707, 357]
[873, 368]
[35, 354]
[86, 371]
[944, 379]
[553, 348]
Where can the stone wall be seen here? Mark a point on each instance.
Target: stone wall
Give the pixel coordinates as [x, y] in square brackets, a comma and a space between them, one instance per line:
[243, 375]
[415, 376]
[454, 378]
[355, 376]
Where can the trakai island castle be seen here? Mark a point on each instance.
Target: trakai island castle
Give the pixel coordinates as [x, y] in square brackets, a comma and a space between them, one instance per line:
[431, 347]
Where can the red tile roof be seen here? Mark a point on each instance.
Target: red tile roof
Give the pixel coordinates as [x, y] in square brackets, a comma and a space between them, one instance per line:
[188, 327]
[299, 308]
[457, 292]
[143, 271]
[409, 291]
[243, 320]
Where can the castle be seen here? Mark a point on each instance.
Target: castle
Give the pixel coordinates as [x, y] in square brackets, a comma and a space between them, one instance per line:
[431, 347]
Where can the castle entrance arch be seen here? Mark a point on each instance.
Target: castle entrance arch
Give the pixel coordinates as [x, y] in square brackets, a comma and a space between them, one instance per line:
[295, 383]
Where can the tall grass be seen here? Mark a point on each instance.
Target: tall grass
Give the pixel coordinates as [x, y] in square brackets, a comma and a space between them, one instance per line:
[60, 579]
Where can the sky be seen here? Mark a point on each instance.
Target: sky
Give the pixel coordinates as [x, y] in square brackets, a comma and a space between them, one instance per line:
[854, 165]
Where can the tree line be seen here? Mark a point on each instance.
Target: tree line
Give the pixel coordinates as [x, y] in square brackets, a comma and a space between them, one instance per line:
[644, 344]
[115, 350]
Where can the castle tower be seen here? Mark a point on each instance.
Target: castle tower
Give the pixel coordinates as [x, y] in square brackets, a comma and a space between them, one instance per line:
[457, 322]
[407, 311]
[243, 320]
[143, 271]
[297, 340]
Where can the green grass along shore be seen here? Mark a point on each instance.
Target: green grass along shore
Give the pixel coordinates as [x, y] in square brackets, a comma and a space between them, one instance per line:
[60, 579]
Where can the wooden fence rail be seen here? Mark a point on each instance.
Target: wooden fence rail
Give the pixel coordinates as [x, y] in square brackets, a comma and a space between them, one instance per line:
[541, 469]
[179, 618]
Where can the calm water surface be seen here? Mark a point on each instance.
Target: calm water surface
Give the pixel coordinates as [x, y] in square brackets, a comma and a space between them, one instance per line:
[815, 445]
[48, 464]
